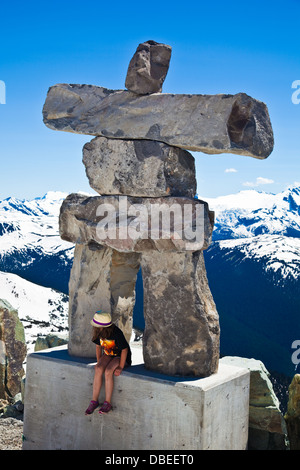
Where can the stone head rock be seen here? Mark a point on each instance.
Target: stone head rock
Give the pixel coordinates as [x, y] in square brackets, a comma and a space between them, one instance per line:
[148, 68]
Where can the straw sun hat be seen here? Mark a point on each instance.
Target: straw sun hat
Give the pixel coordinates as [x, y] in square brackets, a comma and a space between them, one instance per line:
[101, 320]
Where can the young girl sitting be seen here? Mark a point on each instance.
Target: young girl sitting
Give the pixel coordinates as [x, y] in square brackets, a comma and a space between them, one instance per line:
[113, 354]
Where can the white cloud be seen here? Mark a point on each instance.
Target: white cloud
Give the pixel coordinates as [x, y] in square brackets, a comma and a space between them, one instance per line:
[230, 170]
[259, 181]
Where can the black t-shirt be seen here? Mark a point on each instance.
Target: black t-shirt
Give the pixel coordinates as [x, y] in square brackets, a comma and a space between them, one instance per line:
[114, 345]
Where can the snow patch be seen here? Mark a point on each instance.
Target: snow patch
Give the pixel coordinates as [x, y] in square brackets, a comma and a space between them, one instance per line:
[41, 310]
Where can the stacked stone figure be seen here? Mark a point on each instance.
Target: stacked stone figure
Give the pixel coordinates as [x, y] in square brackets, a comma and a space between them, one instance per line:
[140, 165]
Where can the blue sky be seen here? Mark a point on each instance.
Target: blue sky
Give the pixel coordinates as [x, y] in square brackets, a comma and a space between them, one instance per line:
[217, 47]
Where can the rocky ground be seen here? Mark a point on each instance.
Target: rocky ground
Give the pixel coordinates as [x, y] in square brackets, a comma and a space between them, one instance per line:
[11, 424]
[11, 433]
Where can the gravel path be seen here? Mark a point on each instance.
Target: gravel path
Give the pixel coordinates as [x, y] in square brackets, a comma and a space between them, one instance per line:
[11, 431]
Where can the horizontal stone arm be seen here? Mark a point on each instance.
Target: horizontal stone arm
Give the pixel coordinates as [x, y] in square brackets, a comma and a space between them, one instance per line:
[212, 124]
[134, 224]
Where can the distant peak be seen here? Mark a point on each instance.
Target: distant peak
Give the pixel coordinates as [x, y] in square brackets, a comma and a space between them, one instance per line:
[54, 195]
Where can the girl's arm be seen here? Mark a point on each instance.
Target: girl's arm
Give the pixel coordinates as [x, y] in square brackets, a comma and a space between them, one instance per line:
[121, 366]
[98, 352]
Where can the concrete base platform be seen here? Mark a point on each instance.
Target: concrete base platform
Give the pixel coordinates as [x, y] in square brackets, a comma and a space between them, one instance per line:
[151, 411]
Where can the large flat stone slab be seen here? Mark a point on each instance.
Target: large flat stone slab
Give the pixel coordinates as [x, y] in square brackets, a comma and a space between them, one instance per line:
[133, 224]
[211, 124]
[151, 411]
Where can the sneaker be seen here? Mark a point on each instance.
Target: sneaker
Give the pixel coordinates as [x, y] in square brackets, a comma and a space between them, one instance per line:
[105, 408]
[92, 406]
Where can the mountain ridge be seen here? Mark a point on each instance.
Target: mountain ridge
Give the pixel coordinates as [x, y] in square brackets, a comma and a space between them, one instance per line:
[252, 213]
[253, 265]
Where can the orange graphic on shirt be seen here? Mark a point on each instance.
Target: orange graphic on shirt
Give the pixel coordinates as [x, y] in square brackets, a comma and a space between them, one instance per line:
[108, 346]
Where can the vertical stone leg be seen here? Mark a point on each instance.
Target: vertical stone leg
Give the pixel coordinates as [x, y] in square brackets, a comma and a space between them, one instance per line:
[181, 334]
[101, 279]
[124, 269]
[89, 291]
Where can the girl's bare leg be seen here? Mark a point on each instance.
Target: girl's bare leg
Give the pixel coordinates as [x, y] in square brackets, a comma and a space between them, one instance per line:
[98, 377]
[109, 378]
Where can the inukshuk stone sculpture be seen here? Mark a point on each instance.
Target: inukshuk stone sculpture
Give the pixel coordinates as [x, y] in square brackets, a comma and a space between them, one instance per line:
[146, 213]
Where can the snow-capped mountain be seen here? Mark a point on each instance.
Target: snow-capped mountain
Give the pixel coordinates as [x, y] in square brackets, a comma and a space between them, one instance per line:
[251, 213]
[264, 227]
[258, 306]
[32, 250]
[279, 254]
[30, 245]
[41, 310]
[253, 268]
